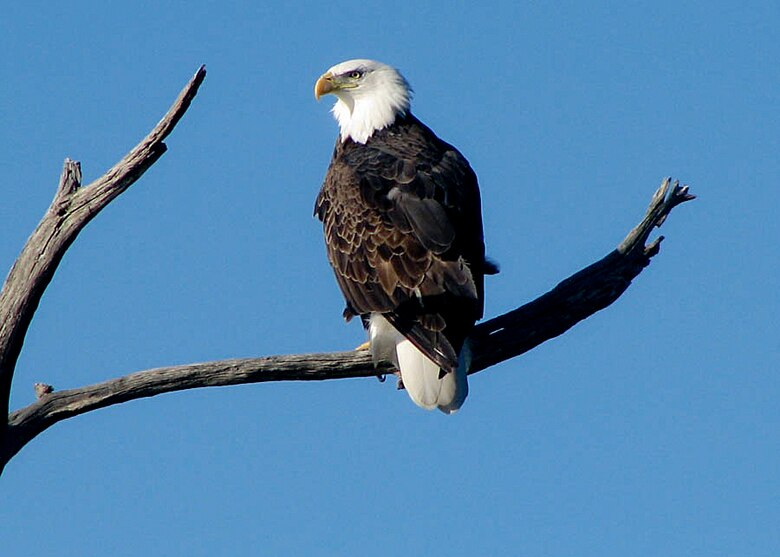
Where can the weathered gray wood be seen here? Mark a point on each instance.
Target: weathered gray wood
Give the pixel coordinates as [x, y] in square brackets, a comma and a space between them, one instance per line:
[51, 408]
[579, 296]
[70, 211]
[493, 341]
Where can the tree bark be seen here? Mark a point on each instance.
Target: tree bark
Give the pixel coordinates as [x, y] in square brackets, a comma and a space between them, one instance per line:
[491, 342]
[70, 211]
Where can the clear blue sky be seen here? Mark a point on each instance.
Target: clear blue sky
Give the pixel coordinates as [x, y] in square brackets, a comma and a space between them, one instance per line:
[650, 429]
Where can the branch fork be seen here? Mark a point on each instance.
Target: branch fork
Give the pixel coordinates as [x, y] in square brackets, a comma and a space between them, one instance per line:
[74, 205]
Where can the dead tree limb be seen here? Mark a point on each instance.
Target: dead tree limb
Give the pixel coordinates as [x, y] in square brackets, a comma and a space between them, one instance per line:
[493, 341]
[70, 211]
[579, 296]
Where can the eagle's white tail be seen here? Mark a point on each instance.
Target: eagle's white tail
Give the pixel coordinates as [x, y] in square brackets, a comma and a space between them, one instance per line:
[421, 380]
[420, 375]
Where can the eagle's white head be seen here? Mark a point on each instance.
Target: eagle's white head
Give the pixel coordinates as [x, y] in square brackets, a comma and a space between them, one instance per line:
[369, 96]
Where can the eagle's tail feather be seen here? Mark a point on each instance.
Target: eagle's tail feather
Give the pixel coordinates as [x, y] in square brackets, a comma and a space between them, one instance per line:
[425, 383]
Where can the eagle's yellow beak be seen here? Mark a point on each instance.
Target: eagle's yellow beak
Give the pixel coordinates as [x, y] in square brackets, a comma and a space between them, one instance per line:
[325, 84]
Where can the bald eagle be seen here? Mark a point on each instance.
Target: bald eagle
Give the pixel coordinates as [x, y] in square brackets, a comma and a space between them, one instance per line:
[403, 227]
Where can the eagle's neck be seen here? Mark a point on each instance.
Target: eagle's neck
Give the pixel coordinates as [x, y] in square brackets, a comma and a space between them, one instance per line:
[361, 114]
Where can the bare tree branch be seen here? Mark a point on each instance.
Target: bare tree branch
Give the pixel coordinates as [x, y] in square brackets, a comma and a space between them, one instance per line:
[28, 422]
[493, 341]
[70, 211]
[579, 296]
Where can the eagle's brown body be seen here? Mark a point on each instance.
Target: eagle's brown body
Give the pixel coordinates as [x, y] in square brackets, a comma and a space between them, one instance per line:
[403, 228]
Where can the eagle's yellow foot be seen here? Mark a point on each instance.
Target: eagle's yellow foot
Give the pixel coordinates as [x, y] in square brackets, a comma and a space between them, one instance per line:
[365, 346]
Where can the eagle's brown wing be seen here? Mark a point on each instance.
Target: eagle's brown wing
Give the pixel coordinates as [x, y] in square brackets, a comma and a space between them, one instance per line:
[403, 229]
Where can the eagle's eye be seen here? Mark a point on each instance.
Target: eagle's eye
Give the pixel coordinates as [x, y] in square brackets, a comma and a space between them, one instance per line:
[355, 74]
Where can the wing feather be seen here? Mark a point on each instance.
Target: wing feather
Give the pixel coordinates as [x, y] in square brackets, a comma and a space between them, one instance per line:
[403, 228]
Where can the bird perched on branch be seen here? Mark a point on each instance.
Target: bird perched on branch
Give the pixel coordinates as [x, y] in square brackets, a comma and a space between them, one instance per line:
[402, 219]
